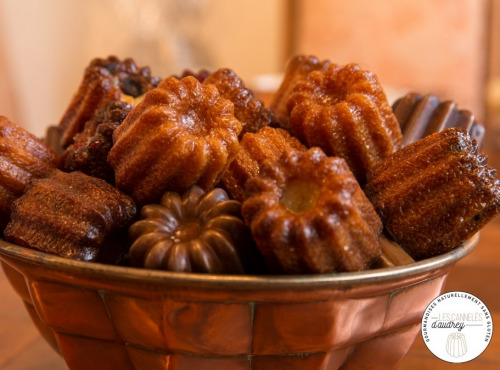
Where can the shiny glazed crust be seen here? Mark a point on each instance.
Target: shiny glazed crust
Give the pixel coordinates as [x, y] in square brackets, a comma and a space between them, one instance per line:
[421, 115]
[182, 133]
[333, 228]
[194, 232]
[344, 111]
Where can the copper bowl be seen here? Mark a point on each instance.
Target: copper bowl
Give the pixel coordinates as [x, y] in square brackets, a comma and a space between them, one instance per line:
[109, 317]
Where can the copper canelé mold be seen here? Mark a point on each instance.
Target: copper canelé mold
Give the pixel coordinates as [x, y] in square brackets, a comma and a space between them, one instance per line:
[108, 317]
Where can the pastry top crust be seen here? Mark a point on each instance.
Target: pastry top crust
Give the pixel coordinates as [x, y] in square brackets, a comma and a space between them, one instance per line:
[250, 111]
[308, 214]
[344, 111]
[255, 148]
[297, 69]
[131, 79]
[182, 133]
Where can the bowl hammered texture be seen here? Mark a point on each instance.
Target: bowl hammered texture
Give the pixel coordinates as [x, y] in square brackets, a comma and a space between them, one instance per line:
[108, 317]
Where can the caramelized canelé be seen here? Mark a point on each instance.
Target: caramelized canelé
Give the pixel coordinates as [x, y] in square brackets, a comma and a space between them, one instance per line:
[23, 157]
[344, 111]
[72, 215]
[308, 214]
[434, 193]
[183, 133]
[104, 80]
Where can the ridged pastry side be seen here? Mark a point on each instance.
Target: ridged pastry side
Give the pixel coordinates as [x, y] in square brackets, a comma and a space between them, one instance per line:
[183, 133]
[70, 215]
[95, 91]
[434, 193]
[255, 148]
[297, 69]
[308, 214]
[344, 111]
[22, 158]
[104, 80]
[249, 110]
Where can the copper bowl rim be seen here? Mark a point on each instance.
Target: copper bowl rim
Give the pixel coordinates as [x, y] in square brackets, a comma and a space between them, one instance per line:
[346, 280]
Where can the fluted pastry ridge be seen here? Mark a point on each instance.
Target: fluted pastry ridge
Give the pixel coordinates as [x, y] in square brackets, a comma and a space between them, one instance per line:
[434, 193]
[183, 133]
[344, 110]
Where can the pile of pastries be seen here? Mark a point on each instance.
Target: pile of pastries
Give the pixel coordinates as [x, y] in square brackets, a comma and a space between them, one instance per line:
[194, 173]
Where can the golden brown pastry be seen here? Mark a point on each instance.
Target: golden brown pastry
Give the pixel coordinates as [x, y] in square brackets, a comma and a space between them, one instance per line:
[308, 214]
[421, 115]
[22, 158]
[255, 148]
[250, 111]
[72, 215]
[344, 111]
[297, 69]
[194, 232]
[182, 133]
[104, 80]
[435, 193]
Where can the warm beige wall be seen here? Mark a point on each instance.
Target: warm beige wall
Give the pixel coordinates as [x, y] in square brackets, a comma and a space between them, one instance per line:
[38, 56]
[48, 43]
[431, 46]
[7, 92]
[427, 45]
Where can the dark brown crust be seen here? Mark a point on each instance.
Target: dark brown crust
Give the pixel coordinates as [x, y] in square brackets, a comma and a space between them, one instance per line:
[344, 111]
[22, 158]
[249, 110]
[182, 133]
[255, 148]
[339, 232]
[132, 80]
[104, 80]
[70, 215]
[89, 152]
[434, 193]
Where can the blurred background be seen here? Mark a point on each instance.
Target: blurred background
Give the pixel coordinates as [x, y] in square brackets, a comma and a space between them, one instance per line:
[447, 47]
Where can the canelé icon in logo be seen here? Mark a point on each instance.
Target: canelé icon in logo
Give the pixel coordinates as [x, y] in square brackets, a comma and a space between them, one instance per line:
[456, 345]
[457, 327]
